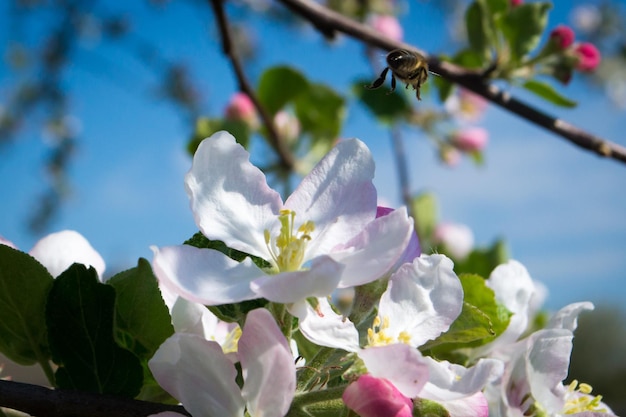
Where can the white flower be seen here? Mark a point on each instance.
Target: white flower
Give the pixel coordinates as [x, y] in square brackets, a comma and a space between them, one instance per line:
[197, 373]
[324, 236]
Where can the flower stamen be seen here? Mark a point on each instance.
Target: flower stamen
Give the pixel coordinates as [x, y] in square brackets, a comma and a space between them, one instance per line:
[288, 249]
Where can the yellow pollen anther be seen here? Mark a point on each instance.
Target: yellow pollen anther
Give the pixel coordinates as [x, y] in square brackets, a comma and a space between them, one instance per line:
[378, 334]
[288, 248]
[578, 399]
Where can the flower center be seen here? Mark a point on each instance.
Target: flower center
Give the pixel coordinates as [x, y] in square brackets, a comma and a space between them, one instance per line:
[578, 399]
[287, 249]
[378, 334]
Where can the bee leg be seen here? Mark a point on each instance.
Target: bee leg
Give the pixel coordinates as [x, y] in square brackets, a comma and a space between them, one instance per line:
[379, 81]
[393, 84]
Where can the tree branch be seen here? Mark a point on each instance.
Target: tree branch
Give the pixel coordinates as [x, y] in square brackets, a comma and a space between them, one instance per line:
[45, 402]
[285, 156]
[328, 22]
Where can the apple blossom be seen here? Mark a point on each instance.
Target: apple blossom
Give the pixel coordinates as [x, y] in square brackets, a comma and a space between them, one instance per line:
[470, 139]
[58, 251]
[588, 56]
[388, 26]
[338, 243]
[536, 366]
[241, 108]
[562, 36]
[197, 373]
[373, 397]
[458, 239]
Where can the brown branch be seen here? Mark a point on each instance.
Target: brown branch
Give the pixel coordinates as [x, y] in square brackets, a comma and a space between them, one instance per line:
[286, 158]
[44, 402]
[328, 22]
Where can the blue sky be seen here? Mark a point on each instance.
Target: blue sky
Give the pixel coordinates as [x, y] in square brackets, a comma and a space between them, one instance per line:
[562, 210]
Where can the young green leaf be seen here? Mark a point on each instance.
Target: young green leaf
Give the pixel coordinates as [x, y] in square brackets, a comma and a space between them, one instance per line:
[547, 92]
[386, 107]
[142, 319]
[24, 287]
[280, 85]
[79, 316]
[523, 26]
[478, 30]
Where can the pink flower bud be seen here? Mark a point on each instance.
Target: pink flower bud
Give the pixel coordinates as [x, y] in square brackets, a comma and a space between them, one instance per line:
[588, 56]
[562, 36]
[388, 26]
[375, 397]
[458, 239]
[516, 3]
[470, 139]
[241, 108]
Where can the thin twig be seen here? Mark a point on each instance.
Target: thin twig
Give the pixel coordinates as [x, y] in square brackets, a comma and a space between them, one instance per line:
[328, 22]
[286, 158]
[45, 402]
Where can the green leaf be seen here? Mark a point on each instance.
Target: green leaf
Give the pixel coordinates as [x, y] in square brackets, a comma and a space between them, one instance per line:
[386, 107]
[481, 320]
[320, 111]
[424, 210]
[79, 315]
[468, 58]
[24, 287]
[142, 319]
[198, 240]
[478, 30]
[483, 261]
[280, 85]
[523, 27]
[497, 6]
[547, 92]
[205, 127]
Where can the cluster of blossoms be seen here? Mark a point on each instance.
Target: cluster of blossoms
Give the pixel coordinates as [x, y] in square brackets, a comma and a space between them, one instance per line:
[564, 55]
[348, 306]
[338, 308]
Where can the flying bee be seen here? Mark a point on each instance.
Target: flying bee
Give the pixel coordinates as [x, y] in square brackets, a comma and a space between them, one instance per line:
[407, 66]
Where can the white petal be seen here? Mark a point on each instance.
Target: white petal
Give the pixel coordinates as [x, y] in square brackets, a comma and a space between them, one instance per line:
[58, 251]
[289, 287]
[229, 196]
[474, 406]
[450, 381]
[423, 298]
[376, 249]
[567, 317]
[326, 329]
[268, 367]
[199, 375]
[195, 318]
[547, 363]
[204, 276]
[401, 364]
[338, 195]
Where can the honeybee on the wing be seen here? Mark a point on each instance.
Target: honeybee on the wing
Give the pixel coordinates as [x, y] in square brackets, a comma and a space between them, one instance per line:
[407, 66]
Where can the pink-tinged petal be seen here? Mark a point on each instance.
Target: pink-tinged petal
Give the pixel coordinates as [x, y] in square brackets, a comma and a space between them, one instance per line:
[325, 327]
[8, 243]
[474, 406]
[567, 317]
[58, 251]
[547, 362]
[338, 195]
[289, 287]
[413, 249]
[369, 396]
[204, 276]
[196, 372]
[401, 364]
[448, 381]
[514, 288]
[423, 298]
[267, 365]
[376, 249]
[229, 196]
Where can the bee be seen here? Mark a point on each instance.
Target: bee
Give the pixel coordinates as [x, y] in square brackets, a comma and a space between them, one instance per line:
[407, 66]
